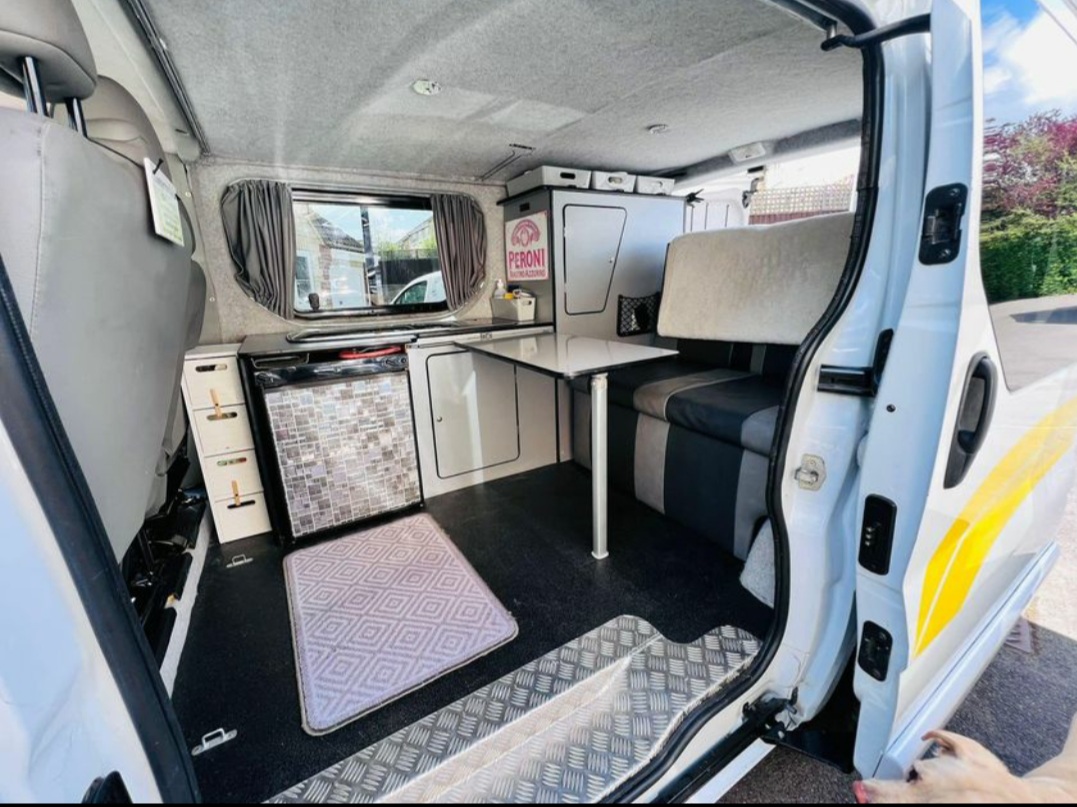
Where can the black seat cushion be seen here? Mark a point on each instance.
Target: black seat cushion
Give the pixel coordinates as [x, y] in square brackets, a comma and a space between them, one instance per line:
[729, 391]
[742, 412]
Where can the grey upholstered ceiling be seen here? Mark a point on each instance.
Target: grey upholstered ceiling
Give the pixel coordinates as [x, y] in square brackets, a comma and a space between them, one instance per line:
[327, 83]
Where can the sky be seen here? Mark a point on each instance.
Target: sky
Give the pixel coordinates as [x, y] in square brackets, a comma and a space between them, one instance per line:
[1030, 61]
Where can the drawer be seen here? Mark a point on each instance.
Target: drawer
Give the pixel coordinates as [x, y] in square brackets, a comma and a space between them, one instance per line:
[226, 433]
[204, 377]
[224, 469]
[233, 522]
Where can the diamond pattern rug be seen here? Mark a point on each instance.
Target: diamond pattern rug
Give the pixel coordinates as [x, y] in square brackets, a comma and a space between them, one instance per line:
[381, 613]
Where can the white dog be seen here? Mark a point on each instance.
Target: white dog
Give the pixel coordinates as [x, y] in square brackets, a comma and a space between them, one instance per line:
[964, 771]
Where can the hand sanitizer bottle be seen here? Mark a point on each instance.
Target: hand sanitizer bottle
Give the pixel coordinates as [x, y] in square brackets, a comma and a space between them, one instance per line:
[499, 289]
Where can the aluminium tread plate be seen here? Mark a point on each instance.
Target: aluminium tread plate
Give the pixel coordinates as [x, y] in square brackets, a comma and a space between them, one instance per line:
[570, 726]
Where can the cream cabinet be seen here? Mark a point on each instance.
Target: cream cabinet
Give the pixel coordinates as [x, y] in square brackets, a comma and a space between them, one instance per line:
[475, 408]
[478, 419]
[217, 410]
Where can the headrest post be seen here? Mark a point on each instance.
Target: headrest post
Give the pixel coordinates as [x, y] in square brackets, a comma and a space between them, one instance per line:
[31, 84]
[75, 117]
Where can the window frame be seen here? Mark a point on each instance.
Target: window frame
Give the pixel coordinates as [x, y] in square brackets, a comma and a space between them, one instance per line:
[386, 199]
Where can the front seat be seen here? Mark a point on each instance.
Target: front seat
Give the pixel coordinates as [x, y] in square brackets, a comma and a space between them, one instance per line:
[103, 297]
[115, 120]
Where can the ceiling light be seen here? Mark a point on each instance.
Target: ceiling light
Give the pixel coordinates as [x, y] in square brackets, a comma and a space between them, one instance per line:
[424, 86]
[752, 151]
[658, 128]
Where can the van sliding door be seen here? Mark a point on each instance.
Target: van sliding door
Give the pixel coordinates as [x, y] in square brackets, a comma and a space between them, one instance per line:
[970, 451]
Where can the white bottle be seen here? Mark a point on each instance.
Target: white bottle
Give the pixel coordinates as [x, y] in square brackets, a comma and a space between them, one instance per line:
[499, 289]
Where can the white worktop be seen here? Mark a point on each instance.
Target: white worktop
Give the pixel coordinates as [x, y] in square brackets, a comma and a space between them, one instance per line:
[568, 356]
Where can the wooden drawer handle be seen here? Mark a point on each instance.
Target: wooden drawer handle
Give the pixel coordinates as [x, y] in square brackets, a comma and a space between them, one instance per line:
[235, 493]
[216, 402]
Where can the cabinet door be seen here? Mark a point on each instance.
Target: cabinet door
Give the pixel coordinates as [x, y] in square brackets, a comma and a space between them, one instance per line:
[475, 412]
[592, 241]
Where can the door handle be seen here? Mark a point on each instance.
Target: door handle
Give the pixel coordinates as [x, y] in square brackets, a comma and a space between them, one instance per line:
[973, 418]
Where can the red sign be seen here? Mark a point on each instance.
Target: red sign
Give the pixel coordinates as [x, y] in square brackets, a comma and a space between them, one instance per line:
[527, 249]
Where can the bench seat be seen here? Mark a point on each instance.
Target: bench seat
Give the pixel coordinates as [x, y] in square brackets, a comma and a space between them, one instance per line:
[690, 435]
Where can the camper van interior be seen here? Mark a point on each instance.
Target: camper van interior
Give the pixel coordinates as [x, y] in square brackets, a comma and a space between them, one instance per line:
[427, 362]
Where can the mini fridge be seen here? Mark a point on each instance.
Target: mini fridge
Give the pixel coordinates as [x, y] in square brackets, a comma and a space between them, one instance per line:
[343, 436]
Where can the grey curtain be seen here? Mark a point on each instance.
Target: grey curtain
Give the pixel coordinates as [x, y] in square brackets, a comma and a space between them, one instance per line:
[461, 234]
[260, 228]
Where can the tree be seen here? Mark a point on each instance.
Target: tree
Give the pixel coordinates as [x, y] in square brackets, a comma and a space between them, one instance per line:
[1028, 238]
[1031, 166]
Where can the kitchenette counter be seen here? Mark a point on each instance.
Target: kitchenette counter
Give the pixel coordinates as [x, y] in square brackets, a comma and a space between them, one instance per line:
[333, 338]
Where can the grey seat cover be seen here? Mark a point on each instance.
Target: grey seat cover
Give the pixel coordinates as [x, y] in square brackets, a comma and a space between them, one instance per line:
[104, 300]
[116, 120]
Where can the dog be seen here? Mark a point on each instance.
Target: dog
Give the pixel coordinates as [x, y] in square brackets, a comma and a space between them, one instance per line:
[964, 771]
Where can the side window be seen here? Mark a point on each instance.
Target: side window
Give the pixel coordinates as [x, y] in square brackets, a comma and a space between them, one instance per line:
[806, 187]
[796, 188]
[1028, 228]
[360, 254]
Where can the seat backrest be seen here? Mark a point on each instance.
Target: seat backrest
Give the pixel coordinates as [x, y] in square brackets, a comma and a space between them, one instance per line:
[764, 285]
[103, 298]
[116, 121]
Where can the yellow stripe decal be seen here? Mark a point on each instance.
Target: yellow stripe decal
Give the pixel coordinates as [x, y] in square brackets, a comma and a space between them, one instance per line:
[960, 557]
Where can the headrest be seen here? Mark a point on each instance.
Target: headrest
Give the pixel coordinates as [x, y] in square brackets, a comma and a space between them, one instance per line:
[49, 31]
[116, 120]
[761, 284]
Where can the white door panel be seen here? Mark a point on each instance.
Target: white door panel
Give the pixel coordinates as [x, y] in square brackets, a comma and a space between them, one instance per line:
[63, 723]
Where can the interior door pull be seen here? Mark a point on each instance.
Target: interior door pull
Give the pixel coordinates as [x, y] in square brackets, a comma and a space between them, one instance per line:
[973, 418]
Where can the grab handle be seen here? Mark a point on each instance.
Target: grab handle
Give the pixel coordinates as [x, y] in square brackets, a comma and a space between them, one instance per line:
[973, 418]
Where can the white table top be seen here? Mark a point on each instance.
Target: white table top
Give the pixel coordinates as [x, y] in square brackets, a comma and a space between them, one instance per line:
[567, 356]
